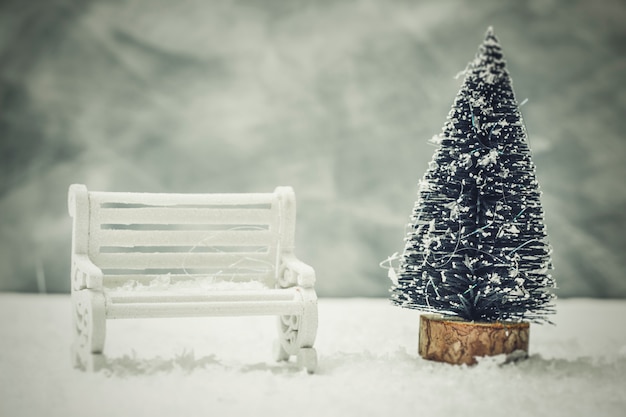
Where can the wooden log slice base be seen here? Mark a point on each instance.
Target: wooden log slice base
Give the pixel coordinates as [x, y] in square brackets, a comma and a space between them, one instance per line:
[456, 341]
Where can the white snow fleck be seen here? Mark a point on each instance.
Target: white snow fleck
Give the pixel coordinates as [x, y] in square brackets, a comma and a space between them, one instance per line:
[489, 159]
[465, 160]
[495, 279]
[436, 139]
[424, 185]
[513, 230]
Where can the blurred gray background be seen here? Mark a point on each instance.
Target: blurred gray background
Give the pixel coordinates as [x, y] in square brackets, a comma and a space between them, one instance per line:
[336, 98]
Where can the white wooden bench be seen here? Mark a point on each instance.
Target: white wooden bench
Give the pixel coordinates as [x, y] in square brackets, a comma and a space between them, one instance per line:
[149, 255]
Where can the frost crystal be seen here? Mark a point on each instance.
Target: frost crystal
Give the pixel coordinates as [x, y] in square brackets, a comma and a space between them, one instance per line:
[489, 159]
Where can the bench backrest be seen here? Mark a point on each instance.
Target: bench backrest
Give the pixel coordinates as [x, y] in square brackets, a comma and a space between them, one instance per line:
[231, 237]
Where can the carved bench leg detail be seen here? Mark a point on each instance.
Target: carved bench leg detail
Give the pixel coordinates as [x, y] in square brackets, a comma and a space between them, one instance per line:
[297, 334]
[288, 329]
[89, 329]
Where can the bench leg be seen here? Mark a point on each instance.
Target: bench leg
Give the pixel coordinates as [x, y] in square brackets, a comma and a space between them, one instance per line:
[297, 334]
[307, 359]
[280, 354]
[89, 318]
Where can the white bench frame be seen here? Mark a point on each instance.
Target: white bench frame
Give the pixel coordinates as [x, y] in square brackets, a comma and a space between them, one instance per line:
[121, 238]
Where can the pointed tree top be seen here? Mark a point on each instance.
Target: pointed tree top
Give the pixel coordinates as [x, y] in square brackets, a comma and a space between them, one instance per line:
[489, 61]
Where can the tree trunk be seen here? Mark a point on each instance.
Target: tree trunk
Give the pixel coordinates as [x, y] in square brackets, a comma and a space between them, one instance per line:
[456, 341]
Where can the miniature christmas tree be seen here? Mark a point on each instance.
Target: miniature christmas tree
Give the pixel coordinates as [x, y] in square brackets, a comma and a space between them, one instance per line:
[477, 245]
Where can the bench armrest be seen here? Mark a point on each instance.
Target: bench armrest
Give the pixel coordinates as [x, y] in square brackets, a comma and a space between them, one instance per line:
[85, 274]
[295, 272]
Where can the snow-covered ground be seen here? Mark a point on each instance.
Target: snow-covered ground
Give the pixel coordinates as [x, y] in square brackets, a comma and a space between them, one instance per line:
[368, 366]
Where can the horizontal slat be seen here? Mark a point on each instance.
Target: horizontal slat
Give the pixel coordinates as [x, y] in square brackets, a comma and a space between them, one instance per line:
[201, 309]
[173, 199]
[199, 295]
[150, 215]
[181, 260]
[184, 238]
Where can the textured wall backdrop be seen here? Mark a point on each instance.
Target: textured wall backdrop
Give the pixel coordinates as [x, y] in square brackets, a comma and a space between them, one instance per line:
[336, 98]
